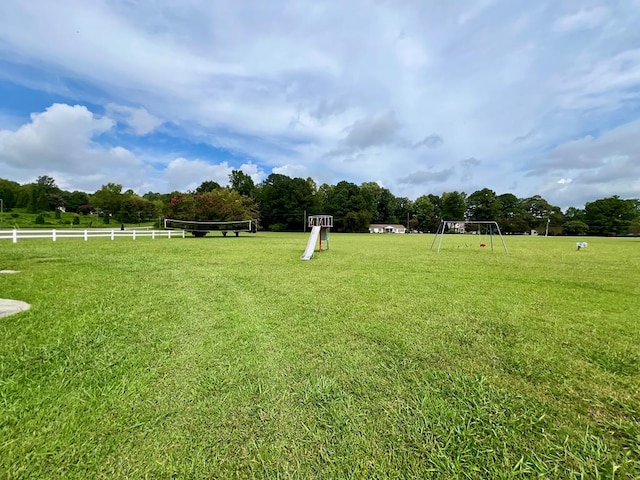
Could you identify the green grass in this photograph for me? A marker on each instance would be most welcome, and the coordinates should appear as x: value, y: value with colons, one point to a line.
x: 231, y: 358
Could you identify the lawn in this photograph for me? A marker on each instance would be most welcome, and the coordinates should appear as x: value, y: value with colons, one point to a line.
x: 231, y: 358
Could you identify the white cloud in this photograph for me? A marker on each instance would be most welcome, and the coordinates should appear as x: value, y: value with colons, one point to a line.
x: 251, y: 169
x: 293, y: 171
x: 607, y: 84
x: 593, y: 167
x: 581, y: 20
x: 139, y: 119
x: 182, y: 174
x: 62, y: 139
x: 61, y: 136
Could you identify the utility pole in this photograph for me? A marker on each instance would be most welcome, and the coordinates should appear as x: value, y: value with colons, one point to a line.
x: 304, y: 222
x: 546, y: 233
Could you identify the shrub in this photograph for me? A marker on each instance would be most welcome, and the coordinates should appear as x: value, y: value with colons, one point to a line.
x: 278, y: 227
x: 76, y: 220
x: 40, y: 220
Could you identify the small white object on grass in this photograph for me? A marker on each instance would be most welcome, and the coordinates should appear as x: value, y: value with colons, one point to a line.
x: 581, y: 245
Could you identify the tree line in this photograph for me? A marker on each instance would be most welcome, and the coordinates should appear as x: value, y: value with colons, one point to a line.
x: 280, y: 203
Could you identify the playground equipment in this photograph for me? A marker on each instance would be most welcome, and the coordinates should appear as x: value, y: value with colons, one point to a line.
x: 320, y: 227
x: 492, y: 227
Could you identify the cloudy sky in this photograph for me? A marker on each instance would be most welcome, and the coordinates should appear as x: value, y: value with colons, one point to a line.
x: 422, y: 96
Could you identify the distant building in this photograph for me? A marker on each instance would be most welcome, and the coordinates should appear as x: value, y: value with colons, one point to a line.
x: 456, y: 227
x: 386, y: 228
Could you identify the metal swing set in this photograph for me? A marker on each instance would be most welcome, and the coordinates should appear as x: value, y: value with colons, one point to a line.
x: 492, y: 227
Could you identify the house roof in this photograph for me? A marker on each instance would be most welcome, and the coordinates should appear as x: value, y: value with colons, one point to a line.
x: 386, y: 225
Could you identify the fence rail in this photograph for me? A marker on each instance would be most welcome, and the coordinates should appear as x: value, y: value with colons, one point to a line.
x: 54, y: 234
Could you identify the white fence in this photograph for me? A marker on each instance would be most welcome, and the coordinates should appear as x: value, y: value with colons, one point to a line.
x: 16, y: 235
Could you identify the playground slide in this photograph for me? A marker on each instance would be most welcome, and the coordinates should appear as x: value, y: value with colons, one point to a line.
x: 311, y: 244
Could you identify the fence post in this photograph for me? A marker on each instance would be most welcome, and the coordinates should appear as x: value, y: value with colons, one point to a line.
x: 86, y: 236
x: 15, y: 235
x: 153, y: 234
x: 168, y: 233
x: 112, y: 234
x: 53, y: 235
x: 182, y: 233
x: 134, y: 235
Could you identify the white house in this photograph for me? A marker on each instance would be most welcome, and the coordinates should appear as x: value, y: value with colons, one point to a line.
x: 386, y: 228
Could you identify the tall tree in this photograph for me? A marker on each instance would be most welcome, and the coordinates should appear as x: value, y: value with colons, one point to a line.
x: 573, y: 213
x: 483, y: 205
x: 108, y: 198
x: 207, y: 186
x: 539, y: 213
x: 46, y: 181
x: 425, y: 212
x: 9, y: 193
x: 402, y: 210
x: 283, y: 201
x: 512, y: 217
x: 611, y: 215
x: 454, y: 205
x: 343, y: 199
x: 135, y: 209
x: 242, y: 183
x: 380, y: 202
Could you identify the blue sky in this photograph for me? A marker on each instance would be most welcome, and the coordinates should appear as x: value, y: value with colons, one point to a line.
x: 530, y: 98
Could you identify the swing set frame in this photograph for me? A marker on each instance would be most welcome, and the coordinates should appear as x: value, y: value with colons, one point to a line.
x: 492, y: 226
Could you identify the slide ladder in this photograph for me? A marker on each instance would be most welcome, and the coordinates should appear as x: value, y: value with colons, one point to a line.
x: 311, y: 244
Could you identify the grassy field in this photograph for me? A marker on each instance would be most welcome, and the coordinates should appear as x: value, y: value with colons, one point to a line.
x: 231, y: 358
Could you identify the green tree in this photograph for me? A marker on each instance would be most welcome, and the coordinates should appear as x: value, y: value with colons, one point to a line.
x: 538, y: 213
x: 47, y: 182
x: 454, y: 205
x: 74, y: 200
x: 575, y: 227
x: 611, y: 215
x: 9, y: 193
x: 208, y: 186
x: 135, y: 209
x: 322, y: 194
x: 380, y: 203
x: 37, y: 199
x: 108, y: 198
x: 217, y: 206
x: 357, y: 222
x: 573, y: 213
x: 242, y: 183
x: 483, y: 205
x: 511, y: 217
x: 425, y: 212
x: 402, y: 210
x: 342, y: 199
x: 283, y: 201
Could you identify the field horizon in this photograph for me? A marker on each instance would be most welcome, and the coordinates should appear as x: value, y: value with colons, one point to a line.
x: 225, y: 357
